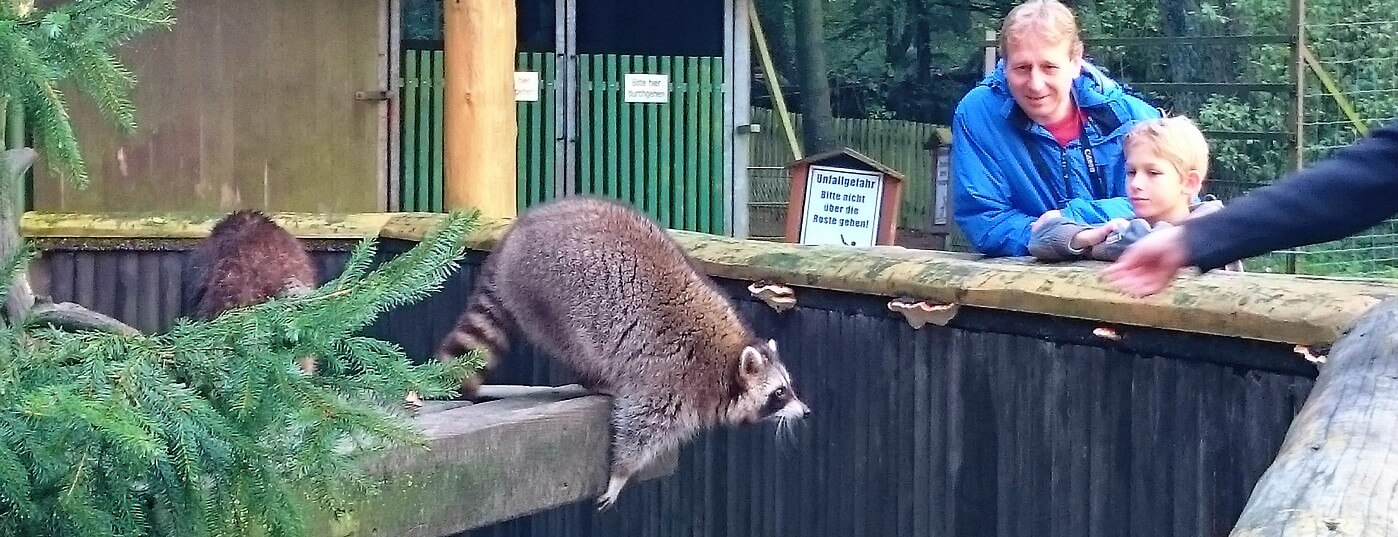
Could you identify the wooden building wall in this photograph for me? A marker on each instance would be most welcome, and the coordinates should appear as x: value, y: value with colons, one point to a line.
x: 247, y: 104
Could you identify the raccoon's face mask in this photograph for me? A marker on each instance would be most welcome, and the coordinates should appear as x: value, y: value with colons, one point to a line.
x: 765, y: 387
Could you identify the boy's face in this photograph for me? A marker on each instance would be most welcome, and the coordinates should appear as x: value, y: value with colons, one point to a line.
x: 1158, y: 191
x: 1041, y: 74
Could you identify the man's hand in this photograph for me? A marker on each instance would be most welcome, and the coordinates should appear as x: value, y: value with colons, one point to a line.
x: 1044, y: 218
x: 1148, y: 266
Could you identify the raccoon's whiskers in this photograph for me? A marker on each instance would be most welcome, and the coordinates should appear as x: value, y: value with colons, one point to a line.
x: 785, y: 432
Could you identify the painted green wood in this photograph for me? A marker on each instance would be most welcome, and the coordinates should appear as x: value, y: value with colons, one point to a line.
x: 623, y: 123
x: 701, y: 119
x: 410, y: 175
x: 717, y: 190
x: 691, y: 145
x: 663, y: 158
x: 435, y: 190
x: 613, y: 103
x: 679, y: 158
x: 536, y: 137
x: 599, y: 120
x: 639, y: 153
x: 691, y: 119
x: 653, y: 159
x: 667, y: 169
x: 424, y: 133
x: 585, y: 122
x: 549, y: 185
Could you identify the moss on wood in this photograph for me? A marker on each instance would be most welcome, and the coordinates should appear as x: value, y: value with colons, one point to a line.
x: 1290, y: 309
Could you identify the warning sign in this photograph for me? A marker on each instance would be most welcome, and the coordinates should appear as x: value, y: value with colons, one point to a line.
x: 841, y: 207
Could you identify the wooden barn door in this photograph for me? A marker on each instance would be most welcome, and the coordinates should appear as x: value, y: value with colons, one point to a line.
x: 265, y: 104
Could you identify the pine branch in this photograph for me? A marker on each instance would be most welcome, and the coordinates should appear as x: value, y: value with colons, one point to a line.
x: 40, y: 50
x: 212, y: 428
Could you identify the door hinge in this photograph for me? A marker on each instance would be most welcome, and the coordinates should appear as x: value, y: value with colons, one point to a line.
x: 374, y: 95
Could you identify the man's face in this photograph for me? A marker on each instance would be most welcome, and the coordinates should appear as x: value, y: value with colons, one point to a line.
x: 1041, y: 76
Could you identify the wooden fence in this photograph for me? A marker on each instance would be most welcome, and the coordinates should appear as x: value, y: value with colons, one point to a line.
x: 664, y: 158
x: 905, y: 146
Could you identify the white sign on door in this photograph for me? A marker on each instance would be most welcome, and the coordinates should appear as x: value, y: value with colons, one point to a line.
x: 526, y: 86
x: 647, y: 88
x: 841, y: 207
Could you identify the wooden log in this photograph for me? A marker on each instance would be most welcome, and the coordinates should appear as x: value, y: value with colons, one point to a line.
x: 490, y: 462
x: 479, y: 146
x: 74, y: 317
x: 1335, y: 473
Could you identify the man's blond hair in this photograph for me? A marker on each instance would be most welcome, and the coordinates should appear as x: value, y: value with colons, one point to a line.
x: 1177, y: 140
x: 1049, y: 20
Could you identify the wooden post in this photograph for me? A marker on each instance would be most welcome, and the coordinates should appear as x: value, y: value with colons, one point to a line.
x: 1298, y: 79
x: 1335, y: 473
x: 479, y: 143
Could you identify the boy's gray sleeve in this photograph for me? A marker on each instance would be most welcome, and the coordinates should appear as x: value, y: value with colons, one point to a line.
x: 1053, y: 240
x: 1117, y: 241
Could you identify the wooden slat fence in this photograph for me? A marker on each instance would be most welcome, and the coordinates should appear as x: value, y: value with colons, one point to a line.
x: 902, y: 145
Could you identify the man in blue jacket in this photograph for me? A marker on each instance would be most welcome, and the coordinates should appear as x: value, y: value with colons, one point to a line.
x: 1040, y: 136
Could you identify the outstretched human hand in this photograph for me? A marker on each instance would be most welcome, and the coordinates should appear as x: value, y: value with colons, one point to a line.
x: 1148, y: 265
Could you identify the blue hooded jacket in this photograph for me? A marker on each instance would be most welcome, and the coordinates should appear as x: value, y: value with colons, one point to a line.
x: 1008, y: 170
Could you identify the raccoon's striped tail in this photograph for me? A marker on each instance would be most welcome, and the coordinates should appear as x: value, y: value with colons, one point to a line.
x: 484, y: 326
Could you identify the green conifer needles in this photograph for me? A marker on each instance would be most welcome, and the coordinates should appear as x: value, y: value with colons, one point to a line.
x: 71, y: 42
x: 212, y: 428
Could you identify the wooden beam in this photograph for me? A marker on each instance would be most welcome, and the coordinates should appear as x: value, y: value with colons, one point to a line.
x: 774, y: 87
x: 1335, y: 473
x: 1336, y: 92
x: 479, y: 143
x: 1307, y: 310
x: 487, y: 463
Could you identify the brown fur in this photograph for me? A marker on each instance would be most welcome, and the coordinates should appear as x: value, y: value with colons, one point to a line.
x: 247, y: 259
x: 601, y: 288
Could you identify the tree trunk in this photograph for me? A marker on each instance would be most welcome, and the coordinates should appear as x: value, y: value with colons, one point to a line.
x: 13, y: 165
x: 1177, y: 19
x: 773, y: 14
x: 818, y: 123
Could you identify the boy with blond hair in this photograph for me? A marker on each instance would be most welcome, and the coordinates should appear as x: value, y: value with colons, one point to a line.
x: 1167, y: 160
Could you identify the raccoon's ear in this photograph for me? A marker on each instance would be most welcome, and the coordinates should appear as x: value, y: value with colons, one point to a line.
x: 772, y: 344
x: 751, y: 362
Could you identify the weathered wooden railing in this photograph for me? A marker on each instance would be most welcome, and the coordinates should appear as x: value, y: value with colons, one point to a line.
x: 1243, y: 326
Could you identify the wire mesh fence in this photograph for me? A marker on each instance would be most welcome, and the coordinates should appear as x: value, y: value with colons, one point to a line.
x: 1351, y: 87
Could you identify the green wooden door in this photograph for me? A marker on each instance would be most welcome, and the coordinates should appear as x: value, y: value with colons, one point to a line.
x: 666, y: 158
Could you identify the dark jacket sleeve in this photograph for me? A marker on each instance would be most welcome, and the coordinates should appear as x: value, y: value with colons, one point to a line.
x: 1353, y: 190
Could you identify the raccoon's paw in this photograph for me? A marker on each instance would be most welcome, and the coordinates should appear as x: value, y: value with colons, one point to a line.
x: 605, y: 502
x: 608, y: 499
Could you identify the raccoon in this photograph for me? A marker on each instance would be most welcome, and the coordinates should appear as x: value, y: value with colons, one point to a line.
x: 246, y: 259
x: 607, y: 292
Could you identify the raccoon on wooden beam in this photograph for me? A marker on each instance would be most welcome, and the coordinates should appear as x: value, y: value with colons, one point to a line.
x: 604, y: 290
